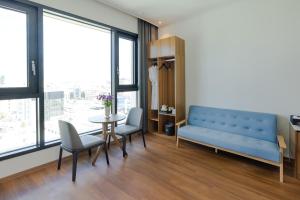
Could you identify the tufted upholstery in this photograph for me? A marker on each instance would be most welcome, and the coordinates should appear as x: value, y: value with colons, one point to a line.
x: 251, y: 124
x: 249, y: 133
x: 239, y: 143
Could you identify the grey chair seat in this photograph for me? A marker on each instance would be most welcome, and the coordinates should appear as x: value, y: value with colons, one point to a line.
x: 73, y: 143
x: 89, y: 141
x: 126, y: 129
x: 132, y: 125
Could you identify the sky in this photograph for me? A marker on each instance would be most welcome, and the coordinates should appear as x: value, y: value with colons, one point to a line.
x: 12, y: 43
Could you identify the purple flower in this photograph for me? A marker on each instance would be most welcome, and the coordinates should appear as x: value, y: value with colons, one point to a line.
x: 106, y: 99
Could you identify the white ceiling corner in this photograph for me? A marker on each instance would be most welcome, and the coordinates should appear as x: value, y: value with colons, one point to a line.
x: 166, y: 11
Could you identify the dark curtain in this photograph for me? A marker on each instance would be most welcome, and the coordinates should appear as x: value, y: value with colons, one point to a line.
x: 147, y: 32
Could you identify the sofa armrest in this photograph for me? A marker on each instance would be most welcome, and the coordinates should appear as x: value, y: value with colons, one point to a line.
x: 178, y: 124
x: 281, y: 141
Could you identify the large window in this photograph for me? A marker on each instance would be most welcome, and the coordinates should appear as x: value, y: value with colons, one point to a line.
x: 77, y: 67
x: 126, y: 73
x: 52, y: 66
x: 13, y: 40
x: 18, y: 89
x: 126, y: 59
x: 18, y: 49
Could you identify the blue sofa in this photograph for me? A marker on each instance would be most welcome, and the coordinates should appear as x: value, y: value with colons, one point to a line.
x: 249, y: 134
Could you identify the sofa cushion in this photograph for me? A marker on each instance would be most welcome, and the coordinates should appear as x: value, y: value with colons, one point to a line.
x: 251, y: 124
x: 239, y: 143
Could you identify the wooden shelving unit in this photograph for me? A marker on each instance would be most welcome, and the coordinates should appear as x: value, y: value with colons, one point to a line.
x: 154, y: 119
x: 167, y: 114
x: 171, y: 82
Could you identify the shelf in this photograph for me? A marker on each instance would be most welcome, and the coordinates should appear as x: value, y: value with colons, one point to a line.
x: 154, y: 119
x: 167, y: 114
x: 163, y: 135
x: 169, y: 60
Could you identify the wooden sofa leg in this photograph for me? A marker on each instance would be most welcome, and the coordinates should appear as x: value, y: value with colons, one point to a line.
x: 281, y: 173
x: 281, y: 166
x: 177, y: 143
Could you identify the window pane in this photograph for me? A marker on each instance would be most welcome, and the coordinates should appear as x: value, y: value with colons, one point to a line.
x: 17, y: 124
x: 77, y: 67
x: 13, y: 49
x: 126, y: 101
x: 126, y: 58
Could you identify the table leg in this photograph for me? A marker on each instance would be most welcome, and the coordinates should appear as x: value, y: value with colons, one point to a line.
x: 104, y: 129
x: 113, y: 135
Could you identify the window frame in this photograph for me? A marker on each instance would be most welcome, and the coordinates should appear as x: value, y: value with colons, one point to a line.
x: 133, y: 38
x: 115, y: 64
x: 37, y: 91
x: 31, y: 91
x: 32, y: 53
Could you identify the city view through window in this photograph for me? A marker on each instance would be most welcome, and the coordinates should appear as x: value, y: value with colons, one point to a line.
x: 77, y: 68
x: 17, y: 124
x: 75, y: 72
x: 17, y: 117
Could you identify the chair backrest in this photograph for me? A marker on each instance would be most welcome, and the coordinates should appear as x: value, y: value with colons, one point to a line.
x: 134, y: 117
x: 69, y: 136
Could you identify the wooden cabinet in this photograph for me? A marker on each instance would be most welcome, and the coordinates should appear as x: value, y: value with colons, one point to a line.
x: 295, y: 148
x: 162, y: 48
x: 168, y: 55
x: 167, y: 47
x: 153, y: 48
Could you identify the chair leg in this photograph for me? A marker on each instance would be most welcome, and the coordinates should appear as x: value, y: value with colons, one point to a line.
x: 129, y: 138
x: 59, y: 158
x: 108, y: 141
x: 90, y: 152
x: 144, y: 139
x: 75, y: 157
x: 124, y: 146
x: 106, y: 154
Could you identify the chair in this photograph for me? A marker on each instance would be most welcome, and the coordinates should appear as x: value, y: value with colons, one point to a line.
x: 132, y: 125
x: 73, y: 143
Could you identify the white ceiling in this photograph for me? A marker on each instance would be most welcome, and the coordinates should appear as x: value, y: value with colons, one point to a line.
x: 164, y: 11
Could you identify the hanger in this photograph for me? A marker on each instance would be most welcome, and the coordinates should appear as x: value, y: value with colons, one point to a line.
x: 165, y: 65
x: 154, y: 63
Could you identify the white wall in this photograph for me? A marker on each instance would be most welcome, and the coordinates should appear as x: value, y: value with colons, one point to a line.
x: 244, y: 55
x: 93, y: 10
x: 28, y: 161
x: 88, y: 9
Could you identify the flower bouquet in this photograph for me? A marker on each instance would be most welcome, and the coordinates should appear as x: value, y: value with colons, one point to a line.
x: 107, y: 102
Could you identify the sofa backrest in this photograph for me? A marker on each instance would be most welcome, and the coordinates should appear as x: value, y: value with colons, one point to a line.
x: 252, y: 124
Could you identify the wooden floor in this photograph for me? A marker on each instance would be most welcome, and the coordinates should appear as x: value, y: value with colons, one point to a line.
x: 160, y: 172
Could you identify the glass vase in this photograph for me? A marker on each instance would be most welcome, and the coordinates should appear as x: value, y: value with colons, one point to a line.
x: 107, y: 112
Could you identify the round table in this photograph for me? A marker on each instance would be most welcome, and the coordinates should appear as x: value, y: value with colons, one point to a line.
x: 105, y: 122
